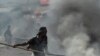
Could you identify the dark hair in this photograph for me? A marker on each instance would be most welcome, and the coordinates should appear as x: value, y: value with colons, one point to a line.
x: 43, y: 31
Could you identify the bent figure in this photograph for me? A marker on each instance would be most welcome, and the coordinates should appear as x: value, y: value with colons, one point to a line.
x: 8, y: 35
x: 38, y: 43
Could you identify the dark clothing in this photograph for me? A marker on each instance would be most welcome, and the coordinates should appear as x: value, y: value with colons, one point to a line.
x: 8, y: 36
x: 38, y: 44
x: 35, y: 42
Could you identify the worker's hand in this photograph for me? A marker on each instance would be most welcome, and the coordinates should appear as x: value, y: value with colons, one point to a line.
x: 14, y: 46
x: 28, y: 49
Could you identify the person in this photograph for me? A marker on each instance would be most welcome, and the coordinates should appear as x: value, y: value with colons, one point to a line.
x: 8, y: 35
x: 38, y: 43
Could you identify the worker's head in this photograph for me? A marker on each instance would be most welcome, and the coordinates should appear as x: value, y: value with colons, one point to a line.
x: 43, y: 31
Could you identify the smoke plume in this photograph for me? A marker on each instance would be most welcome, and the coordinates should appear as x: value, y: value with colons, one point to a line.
x: 76, y: 23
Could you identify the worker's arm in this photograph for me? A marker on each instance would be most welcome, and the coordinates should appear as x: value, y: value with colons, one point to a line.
x: 23, y: 44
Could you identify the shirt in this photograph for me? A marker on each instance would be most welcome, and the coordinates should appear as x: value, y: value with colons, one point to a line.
x: 38, y: 43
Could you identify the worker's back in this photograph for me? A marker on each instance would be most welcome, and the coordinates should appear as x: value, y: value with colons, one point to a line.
x: 39, y: 42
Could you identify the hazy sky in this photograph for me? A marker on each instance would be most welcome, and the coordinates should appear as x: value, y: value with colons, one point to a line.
x: 14, y: 12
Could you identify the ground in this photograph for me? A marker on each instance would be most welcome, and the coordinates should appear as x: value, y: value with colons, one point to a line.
x: 13, y: 52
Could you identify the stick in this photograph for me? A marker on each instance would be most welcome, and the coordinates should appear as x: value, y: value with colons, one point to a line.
x: 20, y: 48
x: 30, y: 50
